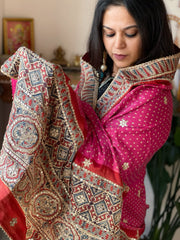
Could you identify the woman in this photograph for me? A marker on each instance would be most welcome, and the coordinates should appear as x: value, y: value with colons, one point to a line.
x: 130, y: 33
x: 84, y: 174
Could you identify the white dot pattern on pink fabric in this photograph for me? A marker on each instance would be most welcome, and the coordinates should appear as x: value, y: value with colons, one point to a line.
x: 129, y: 135
x: 134, y: 120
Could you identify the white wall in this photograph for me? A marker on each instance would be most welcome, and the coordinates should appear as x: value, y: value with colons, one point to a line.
x: 64, y: 23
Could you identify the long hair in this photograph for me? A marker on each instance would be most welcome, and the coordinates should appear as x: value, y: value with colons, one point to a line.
x: 152, y: 21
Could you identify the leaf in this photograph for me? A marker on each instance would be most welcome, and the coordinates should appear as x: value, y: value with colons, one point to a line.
x: 170, y: 153
x: 166, y: 218
x: 177, y: 204
x: 177, y: 136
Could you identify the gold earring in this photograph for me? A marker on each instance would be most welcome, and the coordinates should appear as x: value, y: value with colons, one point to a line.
x: 103, y: 66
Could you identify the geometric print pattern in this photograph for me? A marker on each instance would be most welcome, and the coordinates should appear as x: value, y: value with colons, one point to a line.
x: 95, y: 204
x: 41, y: 140
x: 125, y: 79
x: 36, y: 160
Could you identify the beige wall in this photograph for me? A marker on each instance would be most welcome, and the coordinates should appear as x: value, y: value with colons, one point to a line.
x: 1, y: 15
x: 63, y: 23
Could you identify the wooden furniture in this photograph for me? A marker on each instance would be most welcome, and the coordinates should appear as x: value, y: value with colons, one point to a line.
x: 5, y: 88
x: 73, y: 73
x: 5, y: 82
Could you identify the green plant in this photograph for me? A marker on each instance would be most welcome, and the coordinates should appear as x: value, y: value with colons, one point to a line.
x: 164, y: 173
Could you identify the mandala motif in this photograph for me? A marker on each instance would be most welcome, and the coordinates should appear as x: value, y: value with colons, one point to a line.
x: 24, y: 135
x: 45, y: 205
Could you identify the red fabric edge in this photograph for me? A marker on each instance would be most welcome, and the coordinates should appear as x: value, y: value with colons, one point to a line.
x: 100, y: 170
x: 74, y: 102
x: 135, y: 234
x: 12, y: 218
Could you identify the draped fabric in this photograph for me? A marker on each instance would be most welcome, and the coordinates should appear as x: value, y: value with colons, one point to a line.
x: 134, y: 116
x: 46, y: 127
x: 71, y: 166
x: 45, y: 130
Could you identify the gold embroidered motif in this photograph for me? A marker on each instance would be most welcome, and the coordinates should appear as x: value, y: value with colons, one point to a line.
x: 87, y: 163
x: 139, y: 193
x: 13, y: 222
x: 45, y: 205
x: 137, y: 234
x: 126, y: 189
x: 125, y: 166
x: 123, y: 123
x: 95, y: 202
x: 125, y: 221
x: 54, y: 132
x: 165, y: 100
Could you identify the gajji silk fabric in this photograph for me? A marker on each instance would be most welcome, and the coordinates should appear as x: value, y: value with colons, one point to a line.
x: 72, y: 167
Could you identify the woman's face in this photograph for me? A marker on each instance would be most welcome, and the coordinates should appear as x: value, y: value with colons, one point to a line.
x: 121, y: 37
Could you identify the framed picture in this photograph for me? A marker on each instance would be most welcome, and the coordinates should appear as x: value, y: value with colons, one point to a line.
x: 18, y: 32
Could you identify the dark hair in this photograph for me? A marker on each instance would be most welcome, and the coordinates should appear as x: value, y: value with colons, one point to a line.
x: 151, y: 18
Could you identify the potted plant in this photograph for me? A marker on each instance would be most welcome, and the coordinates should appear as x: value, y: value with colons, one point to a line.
x: 164, y: 173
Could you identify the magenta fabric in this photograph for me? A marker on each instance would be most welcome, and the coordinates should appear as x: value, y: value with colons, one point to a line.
x: 13, y: 84
x: 127, y: 125
x: 124, y: 128
x: 126, y: 139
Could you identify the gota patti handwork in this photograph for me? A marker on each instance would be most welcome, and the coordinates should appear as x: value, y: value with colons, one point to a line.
x: 45, y: 195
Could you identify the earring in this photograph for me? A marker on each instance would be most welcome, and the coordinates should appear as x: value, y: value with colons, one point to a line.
x: 103, y: 66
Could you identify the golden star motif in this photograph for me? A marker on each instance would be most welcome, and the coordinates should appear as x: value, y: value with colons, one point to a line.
x: 125, y: 166
x: 165, y: 100
x: 123, y: 123
x: 87, y: 162
x: 13, y: 222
